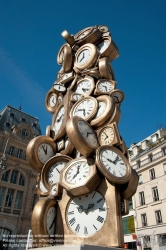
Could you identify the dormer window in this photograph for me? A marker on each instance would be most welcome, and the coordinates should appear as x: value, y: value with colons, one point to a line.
x: 23, y: 119
x: 23, y: 132
x: 11, y: 114
x: 7, y: 124
x: 154, y: 137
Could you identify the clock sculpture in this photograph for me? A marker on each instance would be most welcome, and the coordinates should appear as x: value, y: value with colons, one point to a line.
x: 85, y: 179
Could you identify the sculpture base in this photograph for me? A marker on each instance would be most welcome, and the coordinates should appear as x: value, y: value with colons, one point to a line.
x: 77, y: 247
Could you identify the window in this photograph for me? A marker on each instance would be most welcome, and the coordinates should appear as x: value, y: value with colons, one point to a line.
x: 21, y: 180
x: 152, y: 174
x: 130, y: 204
x: 9, y: 198
x: 142, y: 198
x: 11, y: 150
x: 2, y: 193
x: 140, y: 179
x: 161, y: 239
x: 144, y: 220
x: 155, y: 194
x: 13, y: 178
x: 18, y: 200
x: 23, y: 132
x: 138, y: 164
x: 164, y: 151
x: 158, y: 217
x: 5, y: 176
x: 150, y: 157
x: 19, y: 153
x: 146, y: 241
x: 164, y: 166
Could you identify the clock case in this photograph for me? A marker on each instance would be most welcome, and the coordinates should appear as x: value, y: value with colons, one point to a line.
x: 111, y: 233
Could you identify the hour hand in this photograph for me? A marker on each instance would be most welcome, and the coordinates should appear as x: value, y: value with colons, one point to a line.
x: 110, y: 160
x: 80, y: 209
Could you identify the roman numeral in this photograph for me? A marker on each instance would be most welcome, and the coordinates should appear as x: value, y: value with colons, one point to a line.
x: 85, y: 230
x: 93, y: 195
x: 99, y: 200
x: 95, y: 227
x: 100, y: 219
x: 72, y: 212
x: 58, y: 170
x: 72, y: 221
x: 77, y: 228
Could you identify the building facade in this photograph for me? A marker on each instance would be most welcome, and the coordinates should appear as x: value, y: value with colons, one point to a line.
x: 17, y: 179
x: 148, y: 158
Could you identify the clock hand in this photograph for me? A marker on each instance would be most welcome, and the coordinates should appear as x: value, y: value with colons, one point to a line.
x: 105, y: 88
x: 90, y: 206
x: 44, y: 149
x: 77, y: 172
x: 110, y: 161
x: 84, y: 90
x: 80, y: 209
x: 58, y: 120
x: 52, y: 223
x: 106, y: 136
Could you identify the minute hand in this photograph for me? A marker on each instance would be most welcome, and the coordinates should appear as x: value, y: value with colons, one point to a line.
x: 110, y: 160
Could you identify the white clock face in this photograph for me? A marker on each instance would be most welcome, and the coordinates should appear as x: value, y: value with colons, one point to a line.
x: 60, y: 98
x: 105, y: 86
x: 60, y: 144
x: 59, y: 119
x: 52, y: 101
x: 83, y: 87
x: 113, y: 163
x: 103, y: 46
x: 107, y: 136
x: 59, y: 88
x: 87, y: 133
x: 51, y: 220
x: 84, y: 109
x: 86, y: 214
x: 45, y: 152
x: 77, y: 173
x: 83, y: 56
x: 54, y: 172
x: 42, y: 187
x: 101, y: 109
x: 83, y: 34
x: 53, y: 189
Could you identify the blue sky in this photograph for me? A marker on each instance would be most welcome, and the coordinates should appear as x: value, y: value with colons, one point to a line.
x: 30, y: 38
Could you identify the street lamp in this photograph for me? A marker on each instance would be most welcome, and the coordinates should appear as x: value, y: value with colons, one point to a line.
x: 3, y: 158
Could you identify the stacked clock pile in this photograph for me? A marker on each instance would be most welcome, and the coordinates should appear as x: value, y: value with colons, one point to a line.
x: 84, y: 175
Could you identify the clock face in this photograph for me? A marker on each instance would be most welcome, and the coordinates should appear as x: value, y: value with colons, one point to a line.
x: 86, y: 214
x: 113, y: 163
x: 101, y: 109
x: 83, y: 87
x: 105, y: 86
x: 85, y: 108
x: 59, y: 88
x: 83, y: 56
x: 51, y: 220
x: 54, y: 172
x: 60, y: 98
x: 87, y: 133
x: 52, y: 101
x: 59, y: 119
x: 54, y: 189
x: 118, y: 96
x: 106, y: 136
x: 45, y: 152
x: 103, y: 46
x: 42, y: 187
x: 77, y: 173
x: 76, y: 97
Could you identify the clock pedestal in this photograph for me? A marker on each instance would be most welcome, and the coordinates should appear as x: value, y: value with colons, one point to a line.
x: 111, y: 233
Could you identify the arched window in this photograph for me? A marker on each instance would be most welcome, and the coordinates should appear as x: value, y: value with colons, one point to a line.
x: 14, y: 177
x: 23, y: 132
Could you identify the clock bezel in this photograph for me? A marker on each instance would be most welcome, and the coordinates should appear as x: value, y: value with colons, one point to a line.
x: 104, y: 170
x: 49, y: 164
x: 117, y: 90
x: 110, y: 107
x: 32, y: 151
x: 77, y: 139
x: 47, y: 100
x: 92, y: 59
x: 90, y: 182
x: 99, y: 92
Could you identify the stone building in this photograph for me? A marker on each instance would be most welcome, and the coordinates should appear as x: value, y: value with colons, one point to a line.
x: 148, y: 158
x: 17, y: 179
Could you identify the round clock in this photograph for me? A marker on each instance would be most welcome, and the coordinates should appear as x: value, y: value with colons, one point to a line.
x: 85, y: 108
x: 86, y: 56
x: 83, y: 33
x: 58, y: 119
x: 86, y: 215
x: 58, y: 88
x: 118, y: 95
x: 105, y: 69
x: 80, y: 176
x: 50, y: 174
x: 51, y: 101
x: 113, y: 164
x: 88, y: 35
x: 103, y: 28
x: 39, y: 150
x: 105, y: 109
x: 85, y: 86
x: 44, y: 218
x: 104, y: 86
x: 104, y: 46
x: 60, y: 56
x: 81, y: 135
x: 76, y: 97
